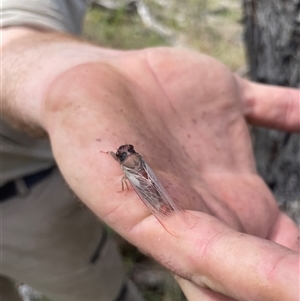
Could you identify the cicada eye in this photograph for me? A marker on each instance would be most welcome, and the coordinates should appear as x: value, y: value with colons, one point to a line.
x: 122, y: 156
x: 130, y: 147
x: 118, y: 154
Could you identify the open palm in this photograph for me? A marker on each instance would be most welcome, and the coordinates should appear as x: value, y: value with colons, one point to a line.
x: 185, y: 114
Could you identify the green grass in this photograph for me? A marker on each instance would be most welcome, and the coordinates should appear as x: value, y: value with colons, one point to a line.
x: 119, y: 29
x: 208, y: 28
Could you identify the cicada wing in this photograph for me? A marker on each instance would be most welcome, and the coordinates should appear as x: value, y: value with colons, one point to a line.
x: 167, y: 200
x: 151, y: 192
x: 144, y: 189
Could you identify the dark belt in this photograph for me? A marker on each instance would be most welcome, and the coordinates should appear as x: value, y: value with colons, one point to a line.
x: 10, y: 189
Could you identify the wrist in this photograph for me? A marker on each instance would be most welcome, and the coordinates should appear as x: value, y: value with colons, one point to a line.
x: 9, y: 34
x: 32, y: 60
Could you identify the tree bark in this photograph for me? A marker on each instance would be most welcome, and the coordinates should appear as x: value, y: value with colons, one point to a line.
x: 272, y: 39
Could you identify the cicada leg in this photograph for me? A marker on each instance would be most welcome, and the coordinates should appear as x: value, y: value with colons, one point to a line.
x: 110, y: 153
x: 124, y: 180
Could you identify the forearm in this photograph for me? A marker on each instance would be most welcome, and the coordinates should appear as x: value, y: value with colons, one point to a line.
x: 31, y: 60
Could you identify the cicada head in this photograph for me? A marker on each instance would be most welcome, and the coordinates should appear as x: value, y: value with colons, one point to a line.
x: 124, y: 151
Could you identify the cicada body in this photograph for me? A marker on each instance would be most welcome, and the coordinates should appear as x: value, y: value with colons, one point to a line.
x: 145, y: 183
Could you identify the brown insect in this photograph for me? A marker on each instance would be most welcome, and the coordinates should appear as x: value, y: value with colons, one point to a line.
x: 144, y: 182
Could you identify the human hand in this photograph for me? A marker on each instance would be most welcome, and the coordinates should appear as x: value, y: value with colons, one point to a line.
x: 184, y: 113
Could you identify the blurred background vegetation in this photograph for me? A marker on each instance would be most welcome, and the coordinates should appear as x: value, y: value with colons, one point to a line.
x: 209, y: 26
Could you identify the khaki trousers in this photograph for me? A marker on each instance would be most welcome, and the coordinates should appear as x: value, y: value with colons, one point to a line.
x: 52, y: 243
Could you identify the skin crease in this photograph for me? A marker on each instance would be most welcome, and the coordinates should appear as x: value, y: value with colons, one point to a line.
x: 185, y: 114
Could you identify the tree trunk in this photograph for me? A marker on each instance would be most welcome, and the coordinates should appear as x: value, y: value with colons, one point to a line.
x: 272, y: 38
x: 272, y: 35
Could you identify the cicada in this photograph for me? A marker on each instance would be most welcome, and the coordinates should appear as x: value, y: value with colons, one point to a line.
x: 145, y: 183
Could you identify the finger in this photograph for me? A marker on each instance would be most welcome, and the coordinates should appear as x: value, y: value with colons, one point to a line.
x: 285, y: 232
x: 194, y: 292
x: 230, y: 263
x: 271, y: 106
x: 245, y: 267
